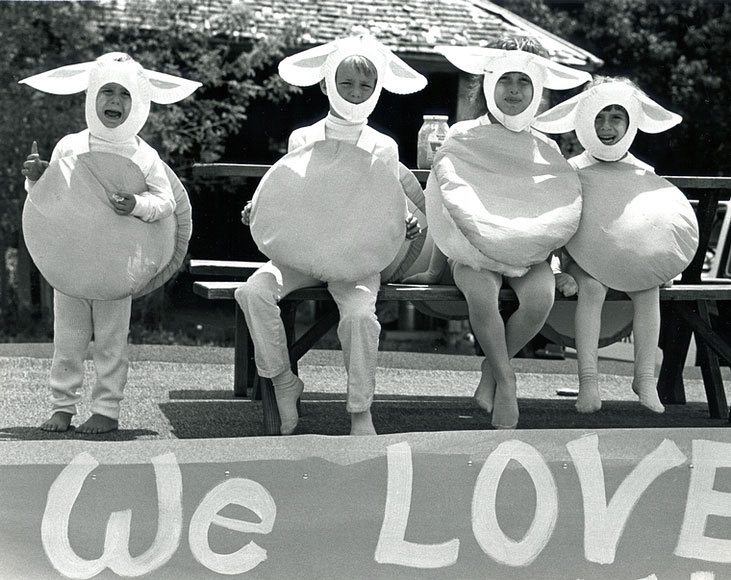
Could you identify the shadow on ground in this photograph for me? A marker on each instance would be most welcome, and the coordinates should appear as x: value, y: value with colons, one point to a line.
x: 37, y: 434
x: 326, y: 415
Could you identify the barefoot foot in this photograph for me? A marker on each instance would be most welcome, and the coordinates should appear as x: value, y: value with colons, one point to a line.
x: 588, y: 400
x: 362, y: 423
x: 58, y: 422
x: 287, y: 398
x: 648, y: 396
x: 485, y: 393
x: 97, y: 424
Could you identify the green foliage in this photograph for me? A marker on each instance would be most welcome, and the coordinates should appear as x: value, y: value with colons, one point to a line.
x: 676, y: 51
x: 169, y: 36
x: 233, y: 75
x: 37, y: 36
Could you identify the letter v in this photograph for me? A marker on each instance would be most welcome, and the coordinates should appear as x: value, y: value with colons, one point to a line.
x: 604, y: 524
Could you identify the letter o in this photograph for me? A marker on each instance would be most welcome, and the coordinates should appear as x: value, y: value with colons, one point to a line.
x: 485, y: 524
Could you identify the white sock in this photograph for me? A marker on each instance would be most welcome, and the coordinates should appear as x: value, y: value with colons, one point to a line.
x: 287, y: 390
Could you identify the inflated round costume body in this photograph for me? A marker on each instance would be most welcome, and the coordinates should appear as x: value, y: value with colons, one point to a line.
x: 82, y: 247
x: 637, y: 230
x: 331, y: 210
x: 501, y: 200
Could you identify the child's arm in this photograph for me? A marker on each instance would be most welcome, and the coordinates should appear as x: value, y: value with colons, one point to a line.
x: 433, y: 274
x: 159, y: 202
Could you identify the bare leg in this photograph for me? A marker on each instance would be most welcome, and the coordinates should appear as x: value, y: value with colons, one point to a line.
x: 59, y: 422
x: 588, y: 326
x: 97, y: 424
x: 481, y: 290
x: 535, y: 291
x: 646, y: 331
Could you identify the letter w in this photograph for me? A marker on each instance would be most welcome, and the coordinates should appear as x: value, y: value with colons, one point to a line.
x: 62, y: 497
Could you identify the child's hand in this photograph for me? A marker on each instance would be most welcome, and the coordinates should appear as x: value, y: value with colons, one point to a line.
x: 412, y: 227
x: 123, y: 203
x: 33, y: 167
x: 246, y: 214
x: 566, y: 284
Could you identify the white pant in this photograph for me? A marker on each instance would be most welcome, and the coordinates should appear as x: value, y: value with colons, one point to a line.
x: 76, y: 321
x: 358, y: 329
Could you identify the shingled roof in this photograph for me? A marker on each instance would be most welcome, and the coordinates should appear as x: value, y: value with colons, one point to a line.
x: 410, y: 27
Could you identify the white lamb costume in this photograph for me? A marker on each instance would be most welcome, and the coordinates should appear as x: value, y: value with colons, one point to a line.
x: 95, y: 259
x: 496, y: 200
x: 637, y: 231
x: 331, y: 211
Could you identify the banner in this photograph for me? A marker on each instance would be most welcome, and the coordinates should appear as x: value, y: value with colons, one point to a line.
x: 629, y: 504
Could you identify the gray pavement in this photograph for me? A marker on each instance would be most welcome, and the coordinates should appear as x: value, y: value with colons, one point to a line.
x: 186, y: 392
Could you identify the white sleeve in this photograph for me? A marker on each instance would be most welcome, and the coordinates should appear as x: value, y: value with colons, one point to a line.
x: 158, y: 202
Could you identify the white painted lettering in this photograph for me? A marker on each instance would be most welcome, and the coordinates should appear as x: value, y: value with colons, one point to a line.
x: 242, y: 492
x: 61, y: 498
x: 392, y: 548
x: 703, y: 501
x: 485, y: 524
x: 604, y: 524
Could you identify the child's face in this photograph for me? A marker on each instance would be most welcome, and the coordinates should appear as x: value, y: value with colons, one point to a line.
x: 611, y: 124
x: 353, y: 85
x: 113, y: 104
x: 513, y: 93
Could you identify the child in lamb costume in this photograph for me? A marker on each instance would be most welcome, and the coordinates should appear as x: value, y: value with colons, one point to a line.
x: 105, y: 221
x: 637, y: 231
x: 331, y: 211
x: 500, y: 200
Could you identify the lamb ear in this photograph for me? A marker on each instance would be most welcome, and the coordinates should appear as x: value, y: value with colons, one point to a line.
x: 400, y: 78
x: 166, y: 89
x: 655, y: 118
x: 65, y: 80
x: 558, y: 119
x: 470, y: 59
x: 560, y: 77
x: 306, y: 68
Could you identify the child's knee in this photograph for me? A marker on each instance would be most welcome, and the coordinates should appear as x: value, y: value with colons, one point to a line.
x: 251, y: 292
x: 361, y: 314
x: 591, y: 288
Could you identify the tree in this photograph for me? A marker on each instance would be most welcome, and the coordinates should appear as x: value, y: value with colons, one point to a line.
x: 173, y: 38
x: 677, y: 52
x: 35, y: 36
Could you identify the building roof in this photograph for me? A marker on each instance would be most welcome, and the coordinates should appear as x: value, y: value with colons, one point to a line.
x: 409, y: 27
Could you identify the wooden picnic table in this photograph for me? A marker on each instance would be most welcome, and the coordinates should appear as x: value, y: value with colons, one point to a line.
x: 686, y: 307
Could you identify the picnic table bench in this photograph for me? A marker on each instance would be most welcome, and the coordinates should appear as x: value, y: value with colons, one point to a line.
x: 685, y: 307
